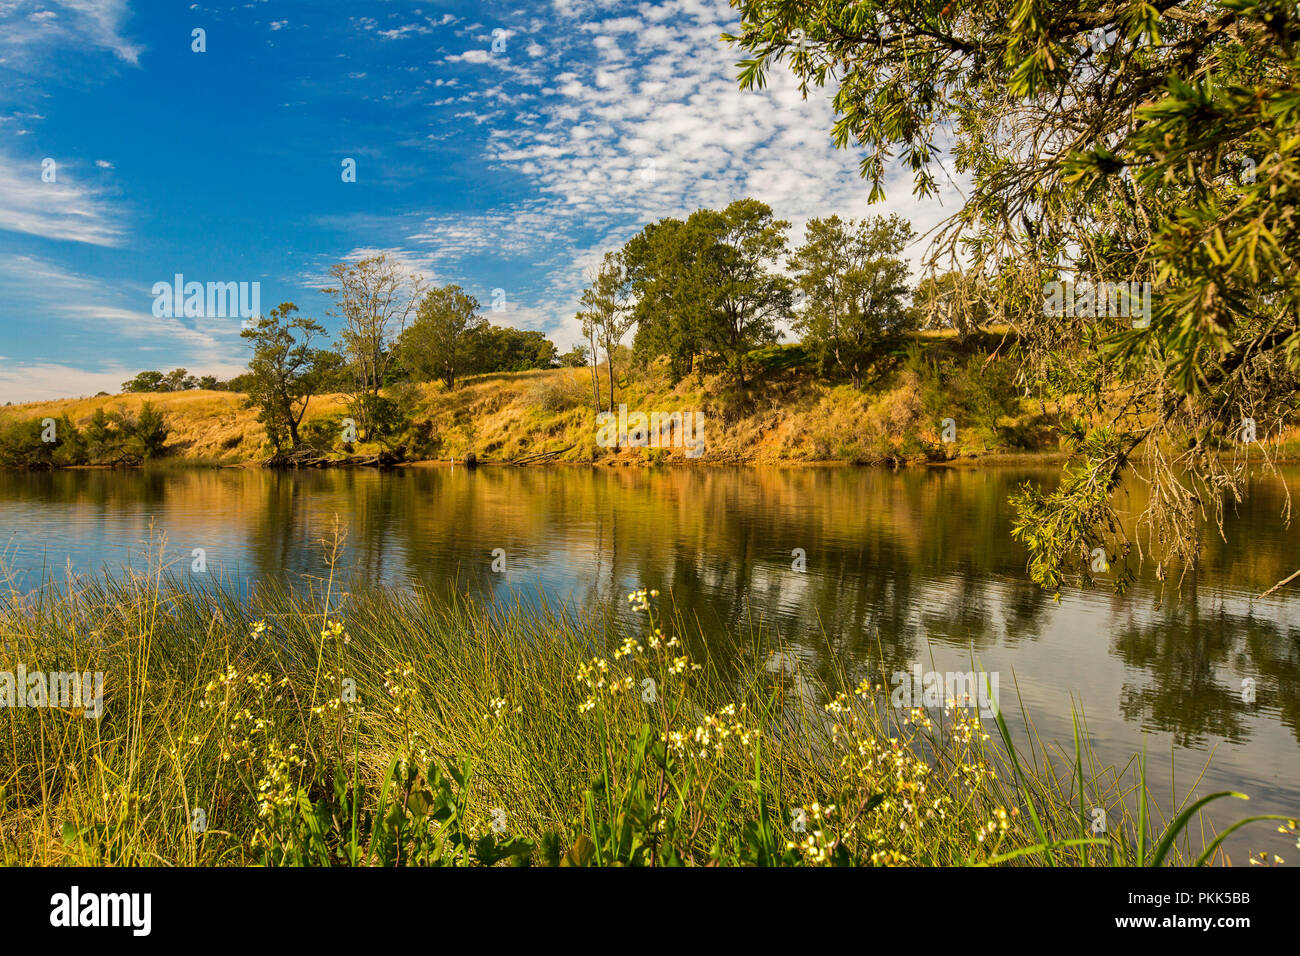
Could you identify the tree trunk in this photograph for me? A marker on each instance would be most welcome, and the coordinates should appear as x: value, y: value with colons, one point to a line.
x: 609, y: 361
x: 595, y: 376
x: 609, y: 372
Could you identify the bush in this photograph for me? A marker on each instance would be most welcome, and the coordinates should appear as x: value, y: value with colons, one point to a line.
x: 42, y: 443
x: 109, y: 438
x: 149, y: 432
x: 324, y: 432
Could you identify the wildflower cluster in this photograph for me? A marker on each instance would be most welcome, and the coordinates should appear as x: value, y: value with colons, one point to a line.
x: 599, y: 682
x: 712, y: 736
x: 345, y: 701
x: 888, y: 776
x: 996, y: 826
x: 278, y: 786
x: 247, y: 709
x: 399, y: 689
x: 816, y: 847
x: 499, y: 707
x: 337, y: 631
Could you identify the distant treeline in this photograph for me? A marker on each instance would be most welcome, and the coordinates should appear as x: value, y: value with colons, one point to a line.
x: 705, y: 294
x: 495, y: 348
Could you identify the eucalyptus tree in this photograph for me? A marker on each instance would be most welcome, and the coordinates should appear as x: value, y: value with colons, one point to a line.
x: 854, y: 284
x: 606, y: 313
x: 441, y: 342
x: 285, y: 370
x: 374, y: 297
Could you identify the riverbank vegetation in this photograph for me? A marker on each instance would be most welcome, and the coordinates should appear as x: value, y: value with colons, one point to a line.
x: 393, y: 728
x: 793, y: 414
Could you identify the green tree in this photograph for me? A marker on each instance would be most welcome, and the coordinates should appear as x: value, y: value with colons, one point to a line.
x: 374, y: 298
x: 667, y: 285
x: 286, y: 371
x: 707, y: 289
x: 501, y: 348
x: 42, y: 443
x: 607, y: 310
x: 854, y: 285
x: 441, y: 342
x: 742, y: 293
x: 1120, y: 142
x: 150, y: 381
x: 576, y: 357
x: 103, y: 435
x: 149, y: 432
x: 178, y: 380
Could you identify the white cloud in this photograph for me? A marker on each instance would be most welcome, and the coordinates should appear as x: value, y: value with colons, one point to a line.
x: 118, y: 321
x: 407, y: 29
x: 38, y: 382
x: 469, y: 56
x: 30, y: 32
x: 66, y: 209
x: 652, y: 123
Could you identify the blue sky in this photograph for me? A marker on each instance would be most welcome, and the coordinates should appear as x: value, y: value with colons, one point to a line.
x: 513, y: 168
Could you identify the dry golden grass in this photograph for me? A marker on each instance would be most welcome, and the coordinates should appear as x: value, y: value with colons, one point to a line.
x: 792, y: 418
x: 204, y: 425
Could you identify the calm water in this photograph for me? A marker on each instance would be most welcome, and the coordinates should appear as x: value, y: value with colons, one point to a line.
x: 910, y: 567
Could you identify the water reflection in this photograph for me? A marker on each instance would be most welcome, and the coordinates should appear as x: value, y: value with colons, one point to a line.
x: 900, y: 568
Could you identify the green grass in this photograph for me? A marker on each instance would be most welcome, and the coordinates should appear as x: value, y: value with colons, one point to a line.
x: 482, y: 734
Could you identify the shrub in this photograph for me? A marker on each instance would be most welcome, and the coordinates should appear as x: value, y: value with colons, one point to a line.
x: 42, y: 443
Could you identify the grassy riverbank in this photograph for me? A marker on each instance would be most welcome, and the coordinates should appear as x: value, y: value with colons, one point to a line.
x: 401, y: 729
x: 939, y: 399
x: 786, y: 414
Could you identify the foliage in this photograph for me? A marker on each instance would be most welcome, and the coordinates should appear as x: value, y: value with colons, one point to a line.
x: 854, y: 287
x: 443, y: 340
x: 177, y: 380
x: 1121, y: 142
x: 708, y: 289
x: 502, y: 348
x: 286, y: 371
x: 576, y: 357
x: 661, y: 263
x: 110, y: 437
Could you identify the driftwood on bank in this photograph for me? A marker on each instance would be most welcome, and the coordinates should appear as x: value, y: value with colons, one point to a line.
x: 314, y: 458
x: 541, y: 456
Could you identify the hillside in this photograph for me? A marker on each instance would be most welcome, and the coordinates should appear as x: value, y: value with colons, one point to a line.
x: 786, y: 415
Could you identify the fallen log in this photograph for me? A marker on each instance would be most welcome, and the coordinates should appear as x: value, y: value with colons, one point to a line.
x: 541, y: 456
x: 315, y: 458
